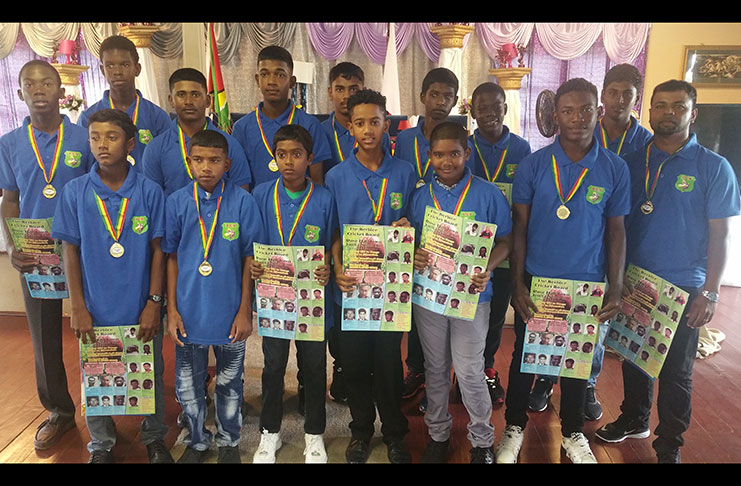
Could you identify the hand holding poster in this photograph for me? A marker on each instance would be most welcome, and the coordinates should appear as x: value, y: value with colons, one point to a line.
x: 459, y: 248
x: 644, y: 328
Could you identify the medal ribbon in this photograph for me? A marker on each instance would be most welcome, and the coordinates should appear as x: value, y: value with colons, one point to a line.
x: 301, y: 209
x: 115, y: 232
x: 134, y: 118
x: 419, y: 161
x: 622, y: 139
x: 206, y: 241
x: 483, y: 162
x: 184, y: 148
x: 649, y: 194
x: 57, y: 152
x: 262, y: 133
x: 557, y: 179
x: 461, y: 198
x: 337, y: 140
x: 377, y: 208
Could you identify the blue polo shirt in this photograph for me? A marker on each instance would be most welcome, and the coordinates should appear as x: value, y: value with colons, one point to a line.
x: 208, y: 304
x: 163, y: 159
x: 484, y: 200
x: 695, y: 185
x: 151, y: 121
x: 345, y: 140
x: 19, y: 170
x: 115, y: 289
x: 572, y: 248
x: 637, y: 137
x: 319, y: 217
x: 404, y: 149
x: 247, y: 131
x: 517, y: 148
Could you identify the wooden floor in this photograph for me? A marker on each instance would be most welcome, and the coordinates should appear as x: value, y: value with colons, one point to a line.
x: 714, y: 435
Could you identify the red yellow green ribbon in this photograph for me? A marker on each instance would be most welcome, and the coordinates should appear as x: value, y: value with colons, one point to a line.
x: 57, y: 151
x: 206, y: 240
x: 301, y: 209
x: 461, y: 198
x: 483, y: 162
x: 649, y: 194
x: 557, y: 179
x: 262, y: 133
x: 337, y: 140
x: 377, y: 208
x: 419, y: 160
x: 134, y: 118
x: 604, y: 136
x: 184, y: 148
x: 115, y: 232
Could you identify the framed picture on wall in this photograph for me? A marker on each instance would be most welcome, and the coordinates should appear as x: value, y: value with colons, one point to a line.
x: 712, y: 66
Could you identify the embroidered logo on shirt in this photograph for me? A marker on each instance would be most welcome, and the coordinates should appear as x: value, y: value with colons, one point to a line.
x: 139, y: 224
x: 511, y: 169
x: 594, y: 194
x: 72, y: 159
x: 145, y: 136
x: 311, y: 233
x: 396, y: 200
x: 685, y: 183
x: 230, y: 231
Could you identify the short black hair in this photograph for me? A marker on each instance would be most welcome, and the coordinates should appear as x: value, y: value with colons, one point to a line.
x: 449, y: 131
x: 487, y: 87
x: 440, y: 75
x: 677, y: 85
x: 367, y: 97
x: 209, y: 138
x: 624, y: 72
x: 119, y: 42
x: 117, y: 117
x: 294, y: 132
x: 275, y: 53
x: 576, y: 84
x: 346, y: 70
x: 188, y: 74
x: 40, y: 63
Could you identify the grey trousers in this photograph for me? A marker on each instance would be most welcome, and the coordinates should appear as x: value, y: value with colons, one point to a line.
x: 458, y: 343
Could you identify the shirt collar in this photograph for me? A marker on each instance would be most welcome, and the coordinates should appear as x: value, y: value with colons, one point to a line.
x: 283, y: 196
x: 689, y: 151
x: 363, y: 173
x: 457, y: 189
x: 502, y: 143
x: 341, y: 130
x: 174, y: 126
x: 587, y: 161
x: 282, y: 119
x: 65, y: 121
x: 126, y: 189
x: 214, y: 195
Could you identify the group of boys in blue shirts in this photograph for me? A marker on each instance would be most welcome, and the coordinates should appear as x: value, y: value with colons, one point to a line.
x: 148, y: 207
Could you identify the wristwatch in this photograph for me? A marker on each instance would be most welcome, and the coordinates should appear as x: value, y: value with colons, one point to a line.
x: 711, y: 296
x: 155, y: 298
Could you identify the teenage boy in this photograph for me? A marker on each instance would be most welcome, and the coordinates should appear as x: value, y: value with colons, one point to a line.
x: 36, y: 161
x: 211, y: 225
x: 165, y: 157
x: 119, y: 63
x: 495, y: 153
x: 569, y: 200
x: 306, y: 214
x: 254, y: 131
x: 438, y: 96
x: 371, y: 359
x: 448, y: 341
x: 111, y: 222
x: 673, y: 178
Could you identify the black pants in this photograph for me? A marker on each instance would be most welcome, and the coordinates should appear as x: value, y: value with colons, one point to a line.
x: 45, y: 325
x: 372, y: 367
x: 573, y: 390
x: 502, y: 291
x: 675, y: 387
x: 312, y: 358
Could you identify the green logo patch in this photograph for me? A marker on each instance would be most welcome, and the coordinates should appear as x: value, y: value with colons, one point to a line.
x: 511, y: 169
x: 72, y: 159
x: 230, y: 231
x: 139, y: 224
x: 311, y: 233
x: 595, y: 194
x: 468, y: 215
x: 685, y: 183
x: 145, y: 136
x: 396, y: 200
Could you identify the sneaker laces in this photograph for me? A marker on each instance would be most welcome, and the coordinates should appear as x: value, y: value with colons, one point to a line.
x: 581, y: 444
x: 267, y: 442
x: 512, y: 430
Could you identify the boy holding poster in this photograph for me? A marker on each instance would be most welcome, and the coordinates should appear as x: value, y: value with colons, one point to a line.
x: 454, y: 341
x: 370, y: 187
x: 111, y: 222
x: 295, y: 212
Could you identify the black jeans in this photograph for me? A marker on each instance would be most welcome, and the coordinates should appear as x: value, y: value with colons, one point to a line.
x: 675, y: 387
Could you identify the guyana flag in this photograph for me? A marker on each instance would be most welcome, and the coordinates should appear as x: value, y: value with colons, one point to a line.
x: 219, y: 104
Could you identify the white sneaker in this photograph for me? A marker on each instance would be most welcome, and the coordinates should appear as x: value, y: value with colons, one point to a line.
x: 509, y: 446
x: 577, y: 448
x: 269, y: 445
x: 314, y: 451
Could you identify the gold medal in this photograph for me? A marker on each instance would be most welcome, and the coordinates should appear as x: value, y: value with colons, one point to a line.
x: 116, y: 250
x: 647, y: 207
x: 205, y: 268
x: 273, y: 166
x: 420, y: 183
x: 563, y: 212
x: 49, y: 191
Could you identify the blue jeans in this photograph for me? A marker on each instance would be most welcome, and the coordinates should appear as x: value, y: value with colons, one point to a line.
x: 102, y: 429
x: 191, y: 366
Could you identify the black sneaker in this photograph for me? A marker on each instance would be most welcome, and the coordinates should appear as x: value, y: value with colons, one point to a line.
x: 337, y: 389
x: 192, y: 456
x: 101, y: 457
x: 539, y: 395
x: 229, y: 455
x: 496, y: 391
x: 158, y: 453
x: 436, y: 452
x: 482, y: 455
x: 622, y: 429
x: 669, y: 457
x: 592, y: 406
x: 413, y: 382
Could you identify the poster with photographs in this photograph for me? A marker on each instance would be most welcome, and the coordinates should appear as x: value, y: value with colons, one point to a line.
x: 290, y: 302
x: 643, y: 329
x: 459, y: 248
x: 506, y: 188
x: 381, y: 258
x: 560, y: 338
x: 117, y: 373
x: 33, y: 236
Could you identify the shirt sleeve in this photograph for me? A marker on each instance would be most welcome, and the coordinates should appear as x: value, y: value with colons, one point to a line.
x: 522, y: 186
x: 173, y: 229
x: 239, y: 172
x: 322, y: 149
x: 619, y: 202
x: 151, y: 166
x: 157, y: 212
x: 722, y: 197
x: 502, y: 214
x: 65, y: 225
x: 7, y: 176
x: 251, y: 223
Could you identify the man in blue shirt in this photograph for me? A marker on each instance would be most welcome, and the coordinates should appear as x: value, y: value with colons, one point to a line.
x: 569, y: 200
x: 119, y: 63
x: 682, y: 198
x: 36, y: 161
